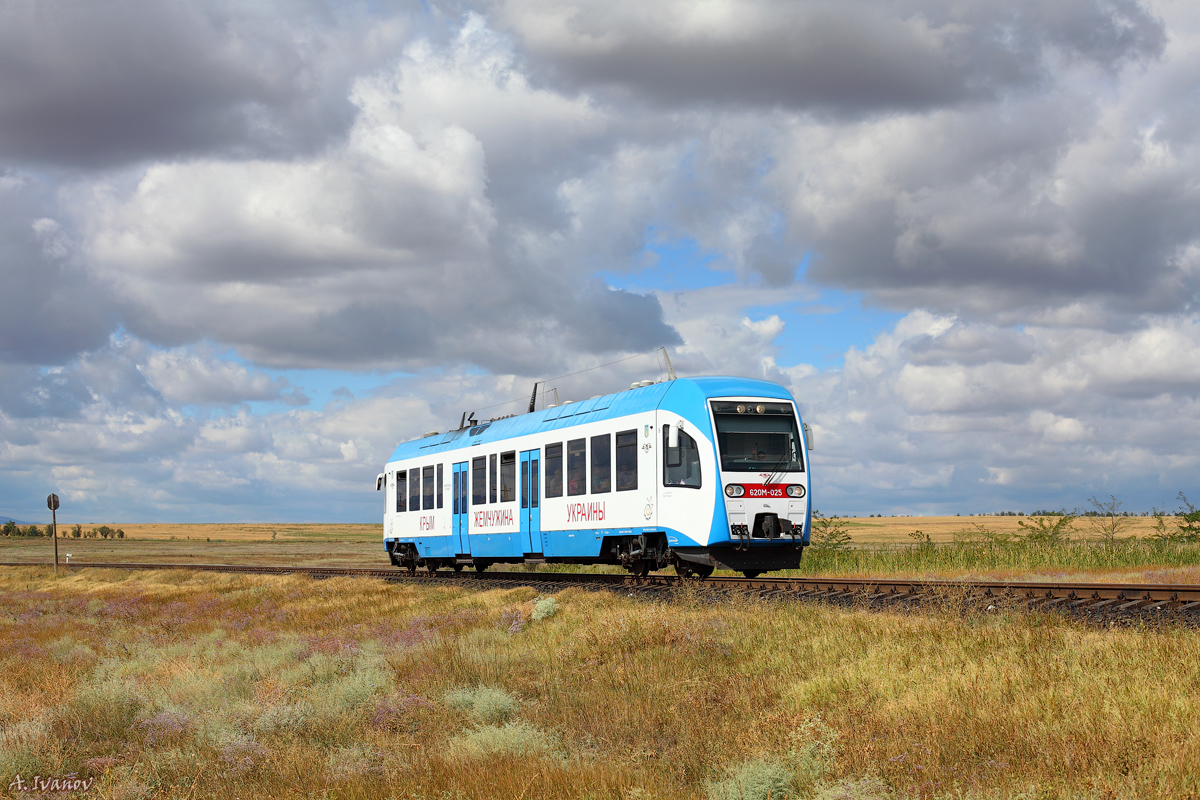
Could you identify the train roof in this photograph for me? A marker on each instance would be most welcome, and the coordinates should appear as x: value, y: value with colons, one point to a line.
x: 673, y: 394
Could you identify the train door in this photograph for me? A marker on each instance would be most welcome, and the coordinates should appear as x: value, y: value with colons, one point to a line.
x: 530, y: 540
x: 459, y: 521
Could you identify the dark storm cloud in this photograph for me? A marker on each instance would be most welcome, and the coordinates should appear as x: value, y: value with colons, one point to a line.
x: 51, y: 308
x: 845, y: 56
x: 102, y: 83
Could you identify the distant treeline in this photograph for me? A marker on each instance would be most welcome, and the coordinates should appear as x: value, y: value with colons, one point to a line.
x: 12, y: 530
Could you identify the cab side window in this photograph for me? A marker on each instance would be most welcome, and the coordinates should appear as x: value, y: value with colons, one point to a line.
x: 681, y: 465
x: 401, y: 489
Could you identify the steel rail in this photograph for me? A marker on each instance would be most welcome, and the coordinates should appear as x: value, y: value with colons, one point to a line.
x: 873, y: 591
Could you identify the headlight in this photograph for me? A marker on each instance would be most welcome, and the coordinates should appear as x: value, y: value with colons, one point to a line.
x: 795, y: 490
x: 735, y: 490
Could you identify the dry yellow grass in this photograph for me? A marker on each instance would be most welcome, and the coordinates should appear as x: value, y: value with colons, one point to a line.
x: 865, y: 530
x: 199, y: 685
x: 896, y: 530
x: 243, y: 531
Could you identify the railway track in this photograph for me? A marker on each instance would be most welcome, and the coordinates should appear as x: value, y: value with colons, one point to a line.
x: 1092, y: 600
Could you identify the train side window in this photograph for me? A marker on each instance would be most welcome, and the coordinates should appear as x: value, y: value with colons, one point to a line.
x: 414, y: 490
x: 601, y: 464
x: 681, y: 465
x: 492, y: 476
x: 554, y: 470
x: 427, y: 488
x: 576, y: 467
x: 478, y: 481
x: 439, y: 485
x: 626, y: 461
x: 508, y: 476
x: 401, y: 489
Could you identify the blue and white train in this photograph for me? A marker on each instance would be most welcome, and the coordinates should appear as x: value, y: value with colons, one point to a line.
x: 696, y: 473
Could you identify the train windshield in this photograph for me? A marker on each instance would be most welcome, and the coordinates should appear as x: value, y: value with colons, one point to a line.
x: 758, y: 437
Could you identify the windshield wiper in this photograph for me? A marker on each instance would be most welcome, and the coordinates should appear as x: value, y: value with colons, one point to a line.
x: 778, y: 467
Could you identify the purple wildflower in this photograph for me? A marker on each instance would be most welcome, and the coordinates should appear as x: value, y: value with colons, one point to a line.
x: 243, y: 755
x: 165, y: 727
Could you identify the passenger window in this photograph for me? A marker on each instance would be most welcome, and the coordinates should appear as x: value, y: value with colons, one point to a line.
x: 492, y: 476
x: 508, y: 477
x: 414, y: 489
x: 401, y: 489
x: 439, y: 485
x: 479, y: 481
x: 601, y: 464
x: 554, y: 470
x: 626, y: 461
x: 427, y: 488
x: 576, y: 467
x: 681, y: 465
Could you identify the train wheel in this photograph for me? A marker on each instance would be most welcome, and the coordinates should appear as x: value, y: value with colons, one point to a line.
x: 641, y: 569
x: 432, y: 567
x: 684, y: 569
x: 480, y: 566
x: 752, y: 573
x: 702, y: 570
x: 458, y: 567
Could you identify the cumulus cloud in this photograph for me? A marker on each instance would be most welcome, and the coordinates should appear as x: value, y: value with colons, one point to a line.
x: 1071, y: 414
x: 52, y: 306
x: 847, y: 57
x: 127, y: 81
x: 201, y: 378
x: 385, y: 251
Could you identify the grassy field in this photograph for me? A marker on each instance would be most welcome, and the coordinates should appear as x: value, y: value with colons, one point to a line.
x: 196, y: 685
x: 879, y: 546
x: 865, y: 530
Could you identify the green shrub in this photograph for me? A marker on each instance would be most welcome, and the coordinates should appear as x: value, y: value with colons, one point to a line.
x: 545, y: 608
x: 761, y: 779
x: 517, y: 738
x: 829, y: 533
x: 1047, y: 530
x: 487, y: 705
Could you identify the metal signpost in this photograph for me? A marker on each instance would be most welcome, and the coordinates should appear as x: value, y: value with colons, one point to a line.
x: 52, y: 504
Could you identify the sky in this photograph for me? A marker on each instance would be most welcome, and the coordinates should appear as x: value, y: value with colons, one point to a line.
x: 247, y: 248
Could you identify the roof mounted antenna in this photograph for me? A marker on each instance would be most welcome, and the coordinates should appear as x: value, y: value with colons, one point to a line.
x: 465, y: 422
x: 670, y: 370
x: 533, y: 398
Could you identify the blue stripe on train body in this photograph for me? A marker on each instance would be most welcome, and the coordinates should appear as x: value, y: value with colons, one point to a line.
x: 650, y: 407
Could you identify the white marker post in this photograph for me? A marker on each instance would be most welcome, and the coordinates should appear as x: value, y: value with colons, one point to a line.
x: 52, y: 504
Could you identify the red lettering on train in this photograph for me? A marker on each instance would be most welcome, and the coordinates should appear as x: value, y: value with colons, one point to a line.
x: 427, y: 523
x: 492, y: 519
x: 585, y: 512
